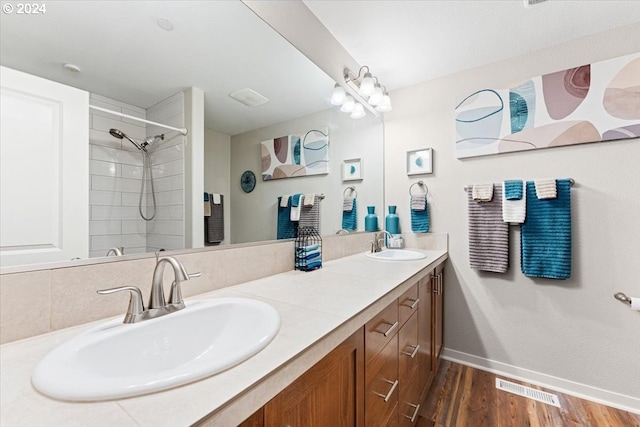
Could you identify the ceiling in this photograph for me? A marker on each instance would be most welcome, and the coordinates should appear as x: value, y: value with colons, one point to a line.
x: 221, y: 46
x: 217, y: 46
x: 408, y: 42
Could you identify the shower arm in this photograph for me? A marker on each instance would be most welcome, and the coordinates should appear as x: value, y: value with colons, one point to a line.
x: 183, y: 131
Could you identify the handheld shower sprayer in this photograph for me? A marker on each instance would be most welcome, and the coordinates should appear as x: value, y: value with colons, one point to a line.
x: 147, y: 169
x: 117, y: 133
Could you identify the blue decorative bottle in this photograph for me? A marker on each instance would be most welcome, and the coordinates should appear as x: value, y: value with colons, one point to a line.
x: 371, y: 219
x: 392, y: 222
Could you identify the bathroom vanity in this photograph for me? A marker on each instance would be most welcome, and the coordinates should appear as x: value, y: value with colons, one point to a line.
x: 380, y: 375
x: 359, y: 330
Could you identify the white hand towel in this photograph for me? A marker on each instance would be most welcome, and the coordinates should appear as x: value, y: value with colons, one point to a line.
x: 284, y: 201
x: 418, y: 202
x: 295, y: 213
x: 482, y: 192
x: 309, y: 199
x: 514, y: 210
x: 546, y: 189
x: 347, y: 204
x: 216, y: 198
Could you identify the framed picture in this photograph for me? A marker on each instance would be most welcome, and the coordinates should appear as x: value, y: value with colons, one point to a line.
x: 420, y: 161
x: 352, y: 170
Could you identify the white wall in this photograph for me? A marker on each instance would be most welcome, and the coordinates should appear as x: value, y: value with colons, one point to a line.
x: 254, y: 215
x: 166, y: 230
x: 115, y: 169
x: 217, y: 170
x: 570, y: 334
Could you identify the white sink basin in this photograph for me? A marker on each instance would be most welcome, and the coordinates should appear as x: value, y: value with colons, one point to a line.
x: 117, y: 360
x: 396, y: 255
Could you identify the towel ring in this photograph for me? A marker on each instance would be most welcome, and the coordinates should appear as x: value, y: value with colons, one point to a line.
x: 421, y: 184
x: 353, y: 189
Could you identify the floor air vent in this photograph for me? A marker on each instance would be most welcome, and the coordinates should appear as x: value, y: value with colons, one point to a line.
x: 528, y: 392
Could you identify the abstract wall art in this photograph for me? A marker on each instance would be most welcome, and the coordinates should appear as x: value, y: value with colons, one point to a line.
x: 590, y: 103
x: 300, y: 154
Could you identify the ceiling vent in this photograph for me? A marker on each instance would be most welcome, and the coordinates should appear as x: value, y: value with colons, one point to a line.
x: 249, y: 97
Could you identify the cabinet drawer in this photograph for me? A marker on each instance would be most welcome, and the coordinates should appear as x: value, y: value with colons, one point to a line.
x: 380, y: 330
x: 381, y: 384
x: 409, y: 401
x: 409, y: 349
x: 408, y: 304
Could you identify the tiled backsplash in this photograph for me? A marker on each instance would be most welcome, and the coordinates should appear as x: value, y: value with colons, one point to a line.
x: 37, y: 302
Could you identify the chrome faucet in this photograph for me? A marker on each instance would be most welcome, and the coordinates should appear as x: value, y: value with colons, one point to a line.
x: 342, y: 231
x: 115, y: 251
x: 157, y: 305
x: 376, y: 245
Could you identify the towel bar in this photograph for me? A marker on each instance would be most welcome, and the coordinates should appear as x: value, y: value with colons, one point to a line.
x: 571, y: 180
x: 622, y: 297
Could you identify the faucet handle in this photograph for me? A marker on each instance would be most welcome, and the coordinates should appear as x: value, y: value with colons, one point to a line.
x: 135, y: 301
x: 175, y: 295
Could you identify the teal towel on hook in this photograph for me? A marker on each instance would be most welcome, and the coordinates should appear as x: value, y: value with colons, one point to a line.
x: 419, y: 217
x: 286, y: 228
x: 350, y: 219
x: 545, y: 237
x: 513, y: 189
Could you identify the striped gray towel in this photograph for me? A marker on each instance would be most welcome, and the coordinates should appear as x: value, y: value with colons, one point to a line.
x: 488, y: 234
x: 310, y: 215
x: 214, y: 224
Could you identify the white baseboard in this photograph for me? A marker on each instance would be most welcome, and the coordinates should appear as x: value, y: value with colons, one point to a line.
x: 583, y: 391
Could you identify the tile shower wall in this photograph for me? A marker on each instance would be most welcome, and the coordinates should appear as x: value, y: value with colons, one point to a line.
x: 115, y: 177
x: 166, y: 231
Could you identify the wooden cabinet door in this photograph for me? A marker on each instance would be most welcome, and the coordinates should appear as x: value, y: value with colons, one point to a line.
x: 424, y: 331
x: 331, y: 393
x: 438, y: 300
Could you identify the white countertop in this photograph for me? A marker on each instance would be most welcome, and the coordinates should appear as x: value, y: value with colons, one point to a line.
x: 318, y: 310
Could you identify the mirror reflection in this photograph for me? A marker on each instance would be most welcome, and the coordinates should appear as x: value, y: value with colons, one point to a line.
x: 193, y: 65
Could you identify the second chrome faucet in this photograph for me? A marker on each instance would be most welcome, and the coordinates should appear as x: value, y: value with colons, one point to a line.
x: 157, y: 306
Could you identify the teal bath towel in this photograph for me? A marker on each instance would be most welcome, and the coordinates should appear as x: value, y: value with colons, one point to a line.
x: 350, y: 218
x: 545, y: 238
x: 419, y: 216
x: 286, y: 228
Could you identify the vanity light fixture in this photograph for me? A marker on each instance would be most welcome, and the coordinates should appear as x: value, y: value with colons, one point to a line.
x: 338, y: 96
x: 358, y: 111
x: 367, y: 91
x: 385, y: 104
x: 349, y: 104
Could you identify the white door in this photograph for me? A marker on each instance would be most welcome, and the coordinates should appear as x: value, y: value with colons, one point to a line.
x: 44, y: 170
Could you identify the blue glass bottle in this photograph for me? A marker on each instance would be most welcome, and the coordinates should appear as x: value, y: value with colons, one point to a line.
x: 392, y: 222
x: 371, y: 219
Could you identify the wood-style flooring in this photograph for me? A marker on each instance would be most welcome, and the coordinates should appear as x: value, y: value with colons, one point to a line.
x: 461, y: 396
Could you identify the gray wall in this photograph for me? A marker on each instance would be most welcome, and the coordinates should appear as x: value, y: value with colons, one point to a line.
x: 254, y: 215
x: 570, y: 334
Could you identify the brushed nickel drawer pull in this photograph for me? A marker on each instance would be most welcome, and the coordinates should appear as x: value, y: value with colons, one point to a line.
x: 414, y: 303
x: 415, y: 412
x: 414, y: 352
x: 388, y: 331
x: 388, y: 395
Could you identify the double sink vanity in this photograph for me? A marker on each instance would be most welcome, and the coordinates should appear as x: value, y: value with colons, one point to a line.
x: 283, y: 349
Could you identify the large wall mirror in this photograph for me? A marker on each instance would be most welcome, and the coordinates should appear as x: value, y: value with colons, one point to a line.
x: 141, y: 59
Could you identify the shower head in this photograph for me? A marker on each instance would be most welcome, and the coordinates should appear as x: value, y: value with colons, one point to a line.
x: 117, y: 133
x: 152, y: 140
